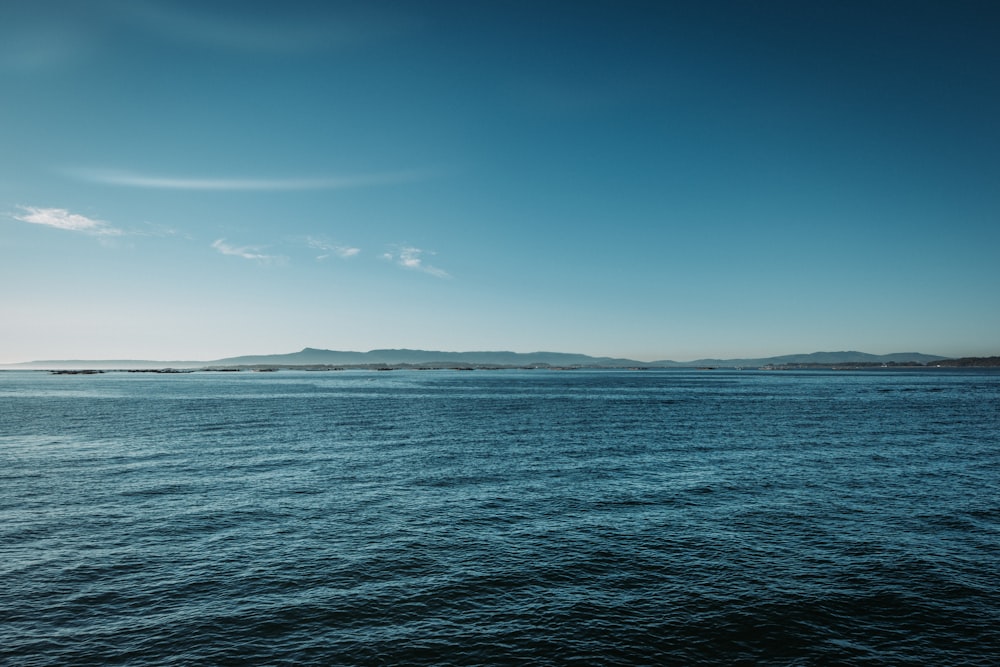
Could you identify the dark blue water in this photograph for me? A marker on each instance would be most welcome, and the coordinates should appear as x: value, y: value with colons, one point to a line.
x: 507, y: 517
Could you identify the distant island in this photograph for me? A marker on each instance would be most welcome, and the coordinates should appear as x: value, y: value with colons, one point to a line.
x: 319, y: 359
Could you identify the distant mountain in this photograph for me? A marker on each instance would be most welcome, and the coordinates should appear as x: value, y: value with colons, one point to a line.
x: 391, y: 357
x: 312, y: 356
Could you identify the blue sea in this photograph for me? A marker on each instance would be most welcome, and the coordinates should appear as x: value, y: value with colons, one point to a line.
x: 514, y: 517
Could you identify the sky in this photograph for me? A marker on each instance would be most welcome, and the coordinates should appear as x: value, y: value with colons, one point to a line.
x: 651, y: 180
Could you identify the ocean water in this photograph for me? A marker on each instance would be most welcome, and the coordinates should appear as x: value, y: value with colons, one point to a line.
x: 528, y: 517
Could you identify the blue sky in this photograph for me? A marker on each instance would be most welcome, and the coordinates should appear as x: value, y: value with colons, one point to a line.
x: 655, y: 180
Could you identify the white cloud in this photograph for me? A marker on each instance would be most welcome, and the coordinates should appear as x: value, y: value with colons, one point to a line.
x: 135, y: 180
x: 410, y: 258
x: 246, y: 252
x: 332, y: 249
x: 60, y: 218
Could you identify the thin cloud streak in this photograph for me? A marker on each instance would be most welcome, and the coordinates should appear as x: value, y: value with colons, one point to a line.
x: 409, y: 257
x: 246, y: 252
x: 61, y: 218
x: 135, y: 180
x: 328, y: 248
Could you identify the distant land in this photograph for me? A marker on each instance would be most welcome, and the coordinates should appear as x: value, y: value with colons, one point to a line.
x: 318, y: 358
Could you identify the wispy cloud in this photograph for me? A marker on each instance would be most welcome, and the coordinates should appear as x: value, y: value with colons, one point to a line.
x: 136, y: 180
x: 409, y: 257
x: 328, y: 249
x: 64, y: 34
x: 60, y: 218
x: 246, y: 252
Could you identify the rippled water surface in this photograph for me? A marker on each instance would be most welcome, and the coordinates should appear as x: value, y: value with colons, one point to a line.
x: 500, y: 517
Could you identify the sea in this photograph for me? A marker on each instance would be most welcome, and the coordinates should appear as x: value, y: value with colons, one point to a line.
x: 500, y: 517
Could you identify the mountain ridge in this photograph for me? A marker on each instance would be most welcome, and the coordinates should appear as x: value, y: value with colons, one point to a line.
x: 310, y: 356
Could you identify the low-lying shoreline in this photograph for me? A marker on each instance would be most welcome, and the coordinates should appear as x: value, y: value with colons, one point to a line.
x: 965, y: 362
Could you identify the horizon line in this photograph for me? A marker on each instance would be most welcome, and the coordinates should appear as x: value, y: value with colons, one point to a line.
x: 699, y: 360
